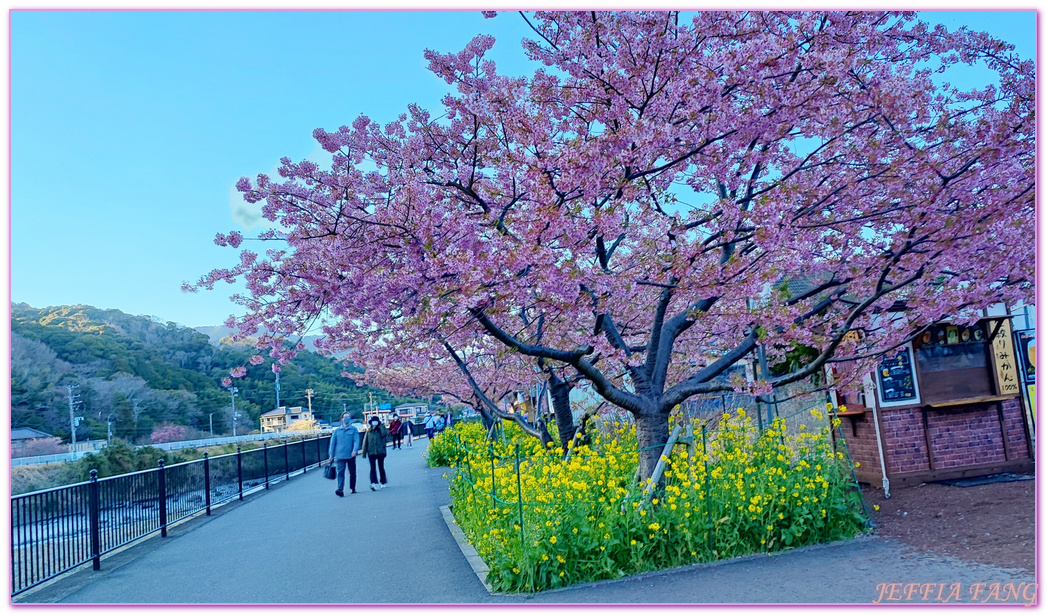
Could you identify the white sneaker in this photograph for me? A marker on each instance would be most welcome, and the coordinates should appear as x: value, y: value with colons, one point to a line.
x: 373, y: 488
x: 381, y: 486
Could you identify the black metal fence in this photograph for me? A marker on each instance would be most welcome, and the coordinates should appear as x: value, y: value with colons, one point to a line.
x: 56, y: 530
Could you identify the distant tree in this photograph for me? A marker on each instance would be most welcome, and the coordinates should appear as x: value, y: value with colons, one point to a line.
x: 38, y: 446
x: 169, y: 433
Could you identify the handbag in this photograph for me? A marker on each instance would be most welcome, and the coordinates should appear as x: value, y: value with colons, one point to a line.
x: 329, y: 471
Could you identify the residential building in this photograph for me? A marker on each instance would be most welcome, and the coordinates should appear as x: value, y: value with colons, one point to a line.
x: 281, y: 418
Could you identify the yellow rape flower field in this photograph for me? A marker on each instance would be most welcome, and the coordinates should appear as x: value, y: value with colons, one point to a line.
x: 732, y: 492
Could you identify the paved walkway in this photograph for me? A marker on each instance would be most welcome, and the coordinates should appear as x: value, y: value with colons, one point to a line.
x: 300, y: 543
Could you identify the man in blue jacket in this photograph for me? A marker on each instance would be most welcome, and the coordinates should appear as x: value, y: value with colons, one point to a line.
x: 345, y: 443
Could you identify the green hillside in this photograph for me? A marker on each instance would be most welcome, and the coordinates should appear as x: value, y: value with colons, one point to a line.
x: 143, y: 372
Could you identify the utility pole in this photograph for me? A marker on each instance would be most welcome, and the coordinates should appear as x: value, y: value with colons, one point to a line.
x: 232, y: 393
x: 309, y: 396
x: 109, y: 430
x: 210, y: 423
x: 277, y: 389
x: 73, y: 400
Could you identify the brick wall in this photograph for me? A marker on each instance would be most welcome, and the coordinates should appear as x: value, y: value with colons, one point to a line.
x: 861, y: 443
x: 965, y: 436
x: 903, y: 440
x: 959, y: 436
x: 1013, y: 419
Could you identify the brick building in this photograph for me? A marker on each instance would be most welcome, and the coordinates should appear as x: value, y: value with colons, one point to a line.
x: 948, y: 405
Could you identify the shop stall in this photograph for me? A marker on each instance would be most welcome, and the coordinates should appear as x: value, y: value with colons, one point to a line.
x: 945, y: 406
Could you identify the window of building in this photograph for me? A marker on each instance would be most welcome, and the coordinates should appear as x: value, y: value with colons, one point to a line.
x: 954, y: 362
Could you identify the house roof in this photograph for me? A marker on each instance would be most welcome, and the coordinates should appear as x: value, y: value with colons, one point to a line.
x: 28, y: 433
x: 284, y: 410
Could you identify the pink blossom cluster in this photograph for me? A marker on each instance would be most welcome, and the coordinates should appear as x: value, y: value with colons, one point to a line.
x: 668, y: 196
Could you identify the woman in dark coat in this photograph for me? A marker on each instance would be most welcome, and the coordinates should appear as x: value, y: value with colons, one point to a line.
x: 374, y: 450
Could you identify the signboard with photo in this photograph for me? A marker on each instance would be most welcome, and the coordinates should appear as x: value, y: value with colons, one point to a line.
x: 1027, y: 354
x: 896, y: 380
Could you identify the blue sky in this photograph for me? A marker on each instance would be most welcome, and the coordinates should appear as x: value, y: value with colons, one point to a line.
x: 128, y: 130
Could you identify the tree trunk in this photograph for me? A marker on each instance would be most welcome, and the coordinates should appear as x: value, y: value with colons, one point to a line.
x: 485, y: 415
x: 652, y: 432
x: 547, y: 439
x: 561, y: 393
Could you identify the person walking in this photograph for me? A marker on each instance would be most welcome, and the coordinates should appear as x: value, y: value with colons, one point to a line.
x: 430, y: 425
x: 407, y: 431
x: 345, y: 442
x: 374, y: 450
x: 396, y: 431
x: 438, y: 424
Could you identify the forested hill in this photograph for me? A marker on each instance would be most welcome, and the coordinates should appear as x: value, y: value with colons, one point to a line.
x: 144, y: 372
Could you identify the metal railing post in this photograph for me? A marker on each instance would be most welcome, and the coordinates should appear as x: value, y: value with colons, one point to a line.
x: 162, y: 494
x: 240, y: 472
x: 304, y: 466
x: 96, y: 538
x: 490, y: 450
x: 265, y: 462
x: 519, y: 499
x: 207, y: 484
x: 318, y: 456
x: 287, y: 465
x: 708, y: 498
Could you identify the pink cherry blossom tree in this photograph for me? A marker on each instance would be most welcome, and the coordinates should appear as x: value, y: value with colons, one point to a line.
x: 169, y: 433
x: 642, y: 211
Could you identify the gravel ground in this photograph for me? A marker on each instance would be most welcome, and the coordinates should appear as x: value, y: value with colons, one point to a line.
x: 990, y: 524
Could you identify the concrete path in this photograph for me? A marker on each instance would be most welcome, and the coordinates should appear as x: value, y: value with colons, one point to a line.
x: 300, y: 543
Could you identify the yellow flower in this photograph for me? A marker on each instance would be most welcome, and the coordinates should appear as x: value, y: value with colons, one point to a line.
x: 654, y: 526
x: 552, y: 539
x: 876, y: 507
x: 561, y: 573
x: 633, y: 542
x: 857, y: 464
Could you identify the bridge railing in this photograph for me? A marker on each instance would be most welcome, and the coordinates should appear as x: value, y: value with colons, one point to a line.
x: 56, y: 530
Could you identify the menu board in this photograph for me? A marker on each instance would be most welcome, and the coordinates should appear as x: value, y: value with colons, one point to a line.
x: 896, y: 379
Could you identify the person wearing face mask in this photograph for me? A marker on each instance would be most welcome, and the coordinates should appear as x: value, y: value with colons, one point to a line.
x: 345, y: 441
x: 374, y: 449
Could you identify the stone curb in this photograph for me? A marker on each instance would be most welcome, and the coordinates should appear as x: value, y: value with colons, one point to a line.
x: 481, y: 569
x: 478, y: 565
